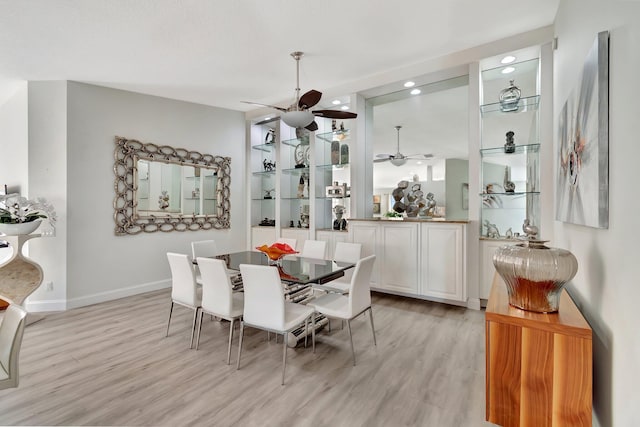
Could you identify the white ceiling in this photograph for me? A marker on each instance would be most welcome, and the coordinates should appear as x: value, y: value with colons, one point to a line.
x: 222, y: 52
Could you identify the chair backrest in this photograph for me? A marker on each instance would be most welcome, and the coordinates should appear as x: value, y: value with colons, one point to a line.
x: 217, y: 291
x: 204, y: 248
x: 263, y: 296
x: 290, y: 242
x: 314, y: 249
x: 359, y: 292
x: 347, y: 252
x: 11, y: 331
x: 183, y: 279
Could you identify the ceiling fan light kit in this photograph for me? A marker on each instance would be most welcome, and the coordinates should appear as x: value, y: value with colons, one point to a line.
x: 298, y: 114
x: 399, y: 159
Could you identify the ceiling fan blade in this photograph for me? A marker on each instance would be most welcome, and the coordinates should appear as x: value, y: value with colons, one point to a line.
x: 381, y: 160
x: 334, y: 114
x: 312, y: 127
x: 309, y: 99
x: 419, y: 156
x: 384, y: 156
x: 267, y: 120
x: 264, y: 105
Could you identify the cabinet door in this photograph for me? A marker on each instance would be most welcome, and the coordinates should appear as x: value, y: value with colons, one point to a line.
x: 442, y: 269
x: 398, y: 263
x: 300, y: 234
x: 367, y: 235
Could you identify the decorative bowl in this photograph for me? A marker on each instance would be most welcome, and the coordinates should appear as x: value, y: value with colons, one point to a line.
x: 20, y: 228
x: 276, y: 251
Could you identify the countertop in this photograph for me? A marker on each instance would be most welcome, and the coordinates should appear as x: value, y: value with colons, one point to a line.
x: 418, y: 219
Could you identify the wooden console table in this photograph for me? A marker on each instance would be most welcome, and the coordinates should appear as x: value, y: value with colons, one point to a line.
x: 539, y: 366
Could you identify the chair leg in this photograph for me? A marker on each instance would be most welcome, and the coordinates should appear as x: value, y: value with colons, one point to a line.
x: 306, y: 331
x: 193, y: 328
x: 199, y: 330
x: 313, y: 331
x: 169, y: 322
x: 233, y: 321
x: 353, y: 352
x: 373, y: 330
x: 240, y: 343
x: 285, y: 338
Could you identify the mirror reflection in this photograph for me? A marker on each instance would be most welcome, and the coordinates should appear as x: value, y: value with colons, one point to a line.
x: 430, y: 149
x: 172, y: 188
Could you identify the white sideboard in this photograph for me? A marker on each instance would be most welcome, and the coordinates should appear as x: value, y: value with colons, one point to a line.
x: 488, y: 247
x: 424, y: 259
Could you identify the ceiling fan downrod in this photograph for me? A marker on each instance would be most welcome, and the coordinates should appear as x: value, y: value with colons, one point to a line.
x: 297, y: 55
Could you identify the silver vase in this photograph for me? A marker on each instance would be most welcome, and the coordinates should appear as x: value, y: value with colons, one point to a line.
x: 535, y: 274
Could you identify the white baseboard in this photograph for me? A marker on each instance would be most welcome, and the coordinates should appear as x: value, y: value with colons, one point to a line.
x: 61, y: 305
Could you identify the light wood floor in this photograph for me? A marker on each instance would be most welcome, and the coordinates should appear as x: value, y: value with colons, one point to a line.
x: 110, y: 364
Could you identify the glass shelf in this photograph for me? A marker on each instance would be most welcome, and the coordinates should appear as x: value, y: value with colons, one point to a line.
x: 263, y: 199
x: 333, y: 136
x: 520, y: 149
x: 293, y: 142
x: 529, y: 103
x: 333, y: 167
x: 264, y: 173
x: 295, y: 171
x: 515, y: 193
x: 294, y: 198
x: 264, y: 147
x: 331, y: 198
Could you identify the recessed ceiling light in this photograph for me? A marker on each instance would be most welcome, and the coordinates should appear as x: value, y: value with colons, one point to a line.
x: 336, y: 102
x: 409, y: 84
x: 344, y: 107
x: 415, y: 92
x: 508, y: 70
x: 508, y: 59
x: 268, y: 118
x: 419, y: 162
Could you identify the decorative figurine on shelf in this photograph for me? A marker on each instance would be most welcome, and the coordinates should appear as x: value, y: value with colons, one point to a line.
x: 509, y: 186
x: 267, y: 193
x: 195, y: 193
x: 268, y: 222
x: 304, y: 217
x: 344, y: 154
x: 508, y: 234
x: 510, y: 97
x: 335, y: 152
x: 510, y: 146
x: 342, y: 129
x: 303, y: 135
x: 334, y: 125
x: 269, y: 165
x: 339, y: 223
x: 398, y: 194
x: 301, y: 186
x: 163, y: 200
x: 291, y: 224
x: 301, y: 155
x: 492, y: 230
x: 530, y: 230
x: 270, y: 137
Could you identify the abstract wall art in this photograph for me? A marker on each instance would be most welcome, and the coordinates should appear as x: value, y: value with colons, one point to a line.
x: 582, y: 191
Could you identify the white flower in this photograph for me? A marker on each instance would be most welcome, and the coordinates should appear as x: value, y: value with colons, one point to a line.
x: 15, y: 209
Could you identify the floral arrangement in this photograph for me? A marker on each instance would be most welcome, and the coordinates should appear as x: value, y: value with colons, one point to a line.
x: 15, y: 209
x: 393, y: 214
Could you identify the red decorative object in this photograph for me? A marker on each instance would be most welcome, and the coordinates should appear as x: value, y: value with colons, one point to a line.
x: 276, y: 251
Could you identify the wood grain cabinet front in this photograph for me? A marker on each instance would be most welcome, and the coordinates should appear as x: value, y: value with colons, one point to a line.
x: 539, y: 366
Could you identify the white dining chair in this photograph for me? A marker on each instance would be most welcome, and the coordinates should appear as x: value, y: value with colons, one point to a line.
x: 183, y: 287
x: 265, y: 308
x: 11, y: 332
x: 314, y: 249
x: 203, y: 248
x: 218, y: 298
x: 348, y: 307
x: 289, y: 241
x: 345, y: 252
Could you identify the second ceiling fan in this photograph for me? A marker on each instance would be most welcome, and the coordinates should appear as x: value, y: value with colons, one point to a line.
x: 298, y: 115
x: 399, y: 159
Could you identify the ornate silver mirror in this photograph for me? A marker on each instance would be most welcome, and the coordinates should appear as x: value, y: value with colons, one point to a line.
x: 161, y: 188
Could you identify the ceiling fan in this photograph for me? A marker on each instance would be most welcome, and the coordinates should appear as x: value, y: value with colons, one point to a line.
x: 400, y: 159
x: 298, y: 115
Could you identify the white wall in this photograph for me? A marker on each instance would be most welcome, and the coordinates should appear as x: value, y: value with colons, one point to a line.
x: 457, y: 173
x: 101, y: 266
x: 13, y: 143
x: 606, y: 286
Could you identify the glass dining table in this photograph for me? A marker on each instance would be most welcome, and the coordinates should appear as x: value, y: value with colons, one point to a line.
x: 294, y: 269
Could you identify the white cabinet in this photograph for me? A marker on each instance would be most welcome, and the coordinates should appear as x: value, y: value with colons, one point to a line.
x: 443, y: 261
x: 332, y: 237
x: 262, y: 236
x: 300, y: 234
x: 398, y: 257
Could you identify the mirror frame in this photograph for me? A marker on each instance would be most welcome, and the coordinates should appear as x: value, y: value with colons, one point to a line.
x: 127, y: 153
